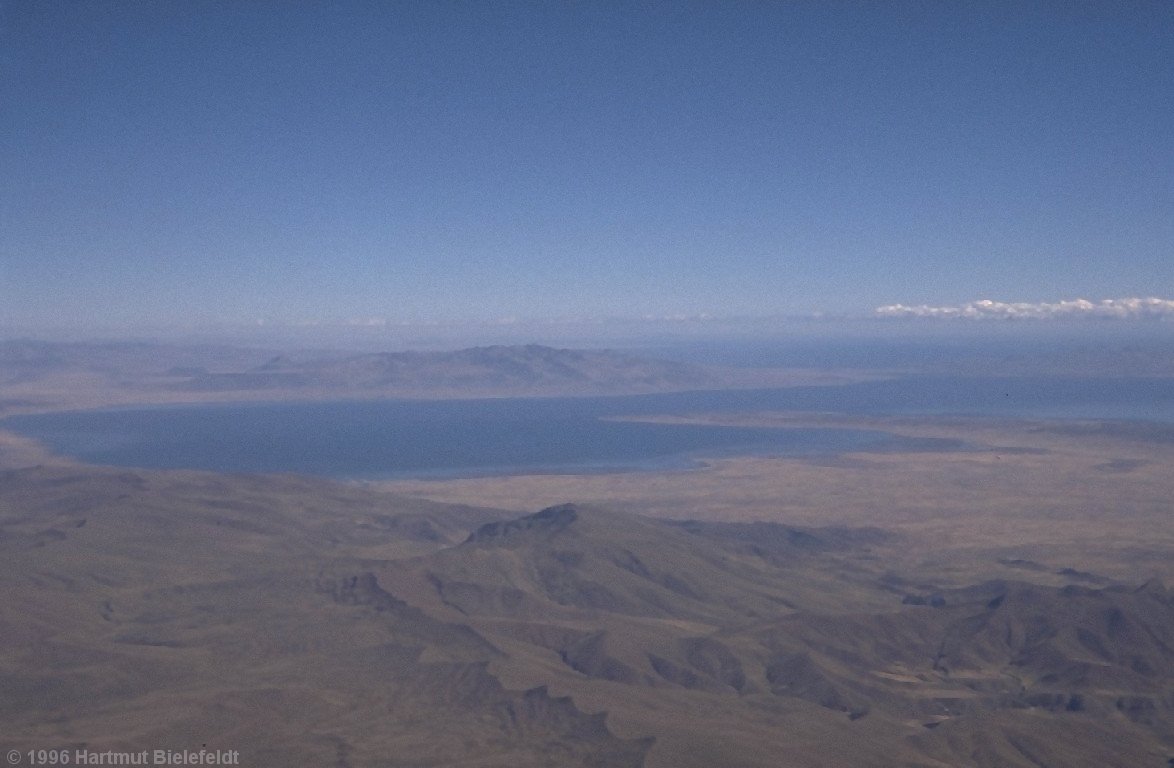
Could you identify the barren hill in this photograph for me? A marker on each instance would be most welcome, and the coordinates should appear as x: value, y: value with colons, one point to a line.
x: 308, y: 623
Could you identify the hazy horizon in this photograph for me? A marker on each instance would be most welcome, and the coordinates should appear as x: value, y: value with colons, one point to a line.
x: 722, y: 335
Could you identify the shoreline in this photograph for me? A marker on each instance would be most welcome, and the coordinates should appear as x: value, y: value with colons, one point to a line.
x: 20, y: 452
x: 86, y: 393
x: 1074, y: 494
x: 958, y: 434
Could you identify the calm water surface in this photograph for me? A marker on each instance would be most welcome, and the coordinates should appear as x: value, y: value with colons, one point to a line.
x: 395, y: 438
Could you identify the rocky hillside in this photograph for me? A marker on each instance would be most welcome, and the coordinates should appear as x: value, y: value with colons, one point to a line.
x: 307, y: 624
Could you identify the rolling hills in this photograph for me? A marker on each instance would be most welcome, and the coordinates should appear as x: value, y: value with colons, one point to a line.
x: 309, y: 623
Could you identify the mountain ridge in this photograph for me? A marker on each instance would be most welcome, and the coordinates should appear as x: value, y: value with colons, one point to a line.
x: 298, y: 619
x: 40, y: 376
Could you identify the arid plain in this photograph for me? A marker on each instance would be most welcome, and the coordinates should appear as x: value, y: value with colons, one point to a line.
x: 1072, y: 495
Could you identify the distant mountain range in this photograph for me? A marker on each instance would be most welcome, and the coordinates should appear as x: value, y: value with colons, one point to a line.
x: 39, y: 376
x: 521, y: 369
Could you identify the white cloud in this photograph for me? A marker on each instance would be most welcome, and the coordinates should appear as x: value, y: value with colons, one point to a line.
x: 986, y: 309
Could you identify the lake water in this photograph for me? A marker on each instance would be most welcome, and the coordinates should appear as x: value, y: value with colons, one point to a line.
x: 396, y: 438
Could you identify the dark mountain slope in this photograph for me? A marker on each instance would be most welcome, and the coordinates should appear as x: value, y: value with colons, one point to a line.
x: 307, y: 623
x: 775, y: 617
x: 572, y: 559
x: 174, y: 610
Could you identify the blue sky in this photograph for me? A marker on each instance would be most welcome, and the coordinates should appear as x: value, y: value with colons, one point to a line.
x: 224, y: 162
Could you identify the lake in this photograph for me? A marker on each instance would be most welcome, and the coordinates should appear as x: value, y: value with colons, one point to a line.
x: 400, y: 438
